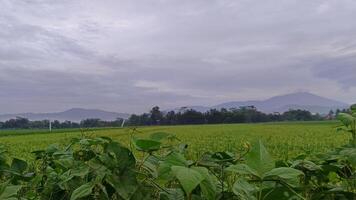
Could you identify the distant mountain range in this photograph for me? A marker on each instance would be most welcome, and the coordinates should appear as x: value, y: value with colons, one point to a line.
x: 74, y: 114
x: 299, y: 100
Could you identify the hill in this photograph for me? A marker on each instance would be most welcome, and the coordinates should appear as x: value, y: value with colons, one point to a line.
x: 74, y: 114
x: 282, y: 103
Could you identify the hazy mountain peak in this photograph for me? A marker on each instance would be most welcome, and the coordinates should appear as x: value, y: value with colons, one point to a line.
x: 282, y: 103
x: 73, y: 114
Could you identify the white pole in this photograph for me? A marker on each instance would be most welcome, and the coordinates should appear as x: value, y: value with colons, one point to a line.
x: 123, y: 123
x: 50, y: 126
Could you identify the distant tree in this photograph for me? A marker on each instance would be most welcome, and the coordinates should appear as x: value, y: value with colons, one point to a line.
x: 297, y: 115
x: 87, y: 123
x: 214, y: 116
x: 156, y: 115
x: 170, y: 118
x: 191, y: 117
x: 19, y: 122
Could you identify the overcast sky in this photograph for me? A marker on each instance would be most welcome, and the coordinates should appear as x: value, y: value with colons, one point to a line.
x: 129, y: 55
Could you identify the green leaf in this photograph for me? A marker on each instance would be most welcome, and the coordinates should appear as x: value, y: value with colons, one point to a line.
x: 65, y: 163
x: 285, y: 174
x: 173, y: 159
x: 158, y: 136
x: 151, y: 165
x: 305, y: 164
x: 9, y: 192
x: 82, y: 191
x: 124, y: 157
x: 346, y: 119
x: 244, y: 190
x: 172, y: 194
x: 188, y: 178
x: 242, y: 169
x: 259, y: 159
x: 18, y: 165
x: 350, y: 155
x: 353, y: 108
x: 208, y: 185
x: 81, y: 170
x: 146, y: 145
x: 125, y: 183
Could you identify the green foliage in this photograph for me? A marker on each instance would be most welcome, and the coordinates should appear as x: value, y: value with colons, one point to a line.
x: 157, y: 167
x: 349, y: 123
x: 259, y: 159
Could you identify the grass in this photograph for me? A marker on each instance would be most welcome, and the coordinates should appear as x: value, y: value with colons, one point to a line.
x: 282, y: 139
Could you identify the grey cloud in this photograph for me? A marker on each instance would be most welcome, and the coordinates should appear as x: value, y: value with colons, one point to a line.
x: 341, y: 69
x: 130, y: 55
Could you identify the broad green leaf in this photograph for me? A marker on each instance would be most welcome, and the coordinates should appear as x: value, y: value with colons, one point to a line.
x: 124, y: 157
x: 125, y: 183
x: 146, y: 145
x: 281, y: 193
x: 305, y: 164
x: 9, y: 192
x: 82, y: 191
x: 350, y: 155
x: 259, y: 159
x: 208, y: 185
x: 65, y: 162
x: 189, y: 178
x: 158, y: 136
x: 151, y: 165
x: 285, y: 174
x: 346, y: 119
x: 242, y: 169
x: 244, y: 190
x: 172, y: 194
x: 173, y: 159
x: 18, y: 165
x: 81, y: 170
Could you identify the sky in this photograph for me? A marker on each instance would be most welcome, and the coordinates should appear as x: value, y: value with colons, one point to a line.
x: 127, y: 56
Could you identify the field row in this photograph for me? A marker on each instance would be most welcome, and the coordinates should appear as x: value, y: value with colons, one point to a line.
x: 284, y: 140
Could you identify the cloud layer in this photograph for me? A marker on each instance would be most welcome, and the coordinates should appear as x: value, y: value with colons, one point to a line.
x: 130, y: 55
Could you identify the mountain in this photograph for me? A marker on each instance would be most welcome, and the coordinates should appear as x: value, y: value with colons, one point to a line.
x: 74, y: 114
x: 299, y: 100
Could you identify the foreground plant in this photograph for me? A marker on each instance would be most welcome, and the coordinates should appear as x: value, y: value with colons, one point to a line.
x: 157, y: 168
x: 349, y: 123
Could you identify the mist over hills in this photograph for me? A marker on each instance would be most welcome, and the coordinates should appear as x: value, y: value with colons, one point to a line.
x: 74, y: 114
x: 282, y: 103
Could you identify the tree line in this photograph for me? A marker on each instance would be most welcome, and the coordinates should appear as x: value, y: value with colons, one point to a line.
x: 24, y: 123
x: 247, y: 114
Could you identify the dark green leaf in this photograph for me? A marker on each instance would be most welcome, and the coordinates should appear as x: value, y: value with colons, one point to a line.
x: 244, y: 190
x: 188, y: 178
x: 172, y: 194
x: 158, y: 136
x: 82, y: 191
x: 9, y: 192
x: 208, y: 185
x: 173, y: 159
x: 259, y: 159
x: 288, y: 175
x: 242, y: 169
x: 18, y: 165
x: 146, y: 145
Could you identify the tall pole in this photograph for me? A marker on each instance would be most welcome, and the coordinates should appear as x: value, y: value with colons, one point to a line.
x: 50, y: 126
x: 123, y: 123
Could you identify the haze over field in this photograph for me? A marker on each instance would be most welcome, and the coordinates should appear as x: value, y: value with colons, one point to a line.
x: 127, y: 56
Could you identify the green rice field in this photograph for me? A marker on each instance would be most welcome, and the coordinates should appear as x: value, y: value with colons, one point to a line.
x: 284, y: 140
